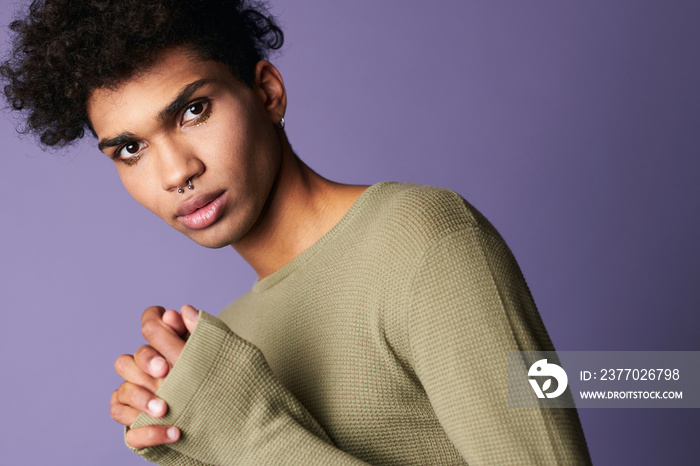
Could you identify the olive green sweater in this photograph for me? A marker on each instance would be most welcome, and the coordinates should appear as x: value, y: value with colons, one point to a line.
x: 385, y: 342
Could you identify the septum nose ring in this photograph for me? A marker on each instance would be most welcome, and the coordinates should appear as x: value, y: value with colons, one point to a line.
x: 189, y: 186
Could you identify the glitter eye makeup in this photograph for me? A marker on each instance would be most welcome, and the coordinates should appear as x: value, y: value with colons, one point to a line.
x: 132, y: 160
x: 199, y: 112
x: 196, y: 113
x: 130, y: 153
x: 203, y: 118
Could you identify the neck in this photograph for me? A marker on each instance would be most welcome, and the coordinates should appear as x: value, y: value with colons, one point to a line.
x: 301, y: 208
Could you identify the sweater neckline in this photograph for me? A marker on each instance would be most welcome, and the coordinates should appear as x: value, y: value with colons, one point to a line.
x: 271, y: 280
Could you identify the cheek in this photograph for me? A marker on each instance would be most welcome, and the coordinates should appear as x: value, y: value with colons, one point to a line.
x: 235, y: 156
x: 270, y: 158
x: 143, y: 194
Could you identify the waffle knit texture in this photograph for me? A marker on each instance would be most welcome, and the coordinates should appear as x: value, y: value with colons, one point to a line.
x: 386, y: 342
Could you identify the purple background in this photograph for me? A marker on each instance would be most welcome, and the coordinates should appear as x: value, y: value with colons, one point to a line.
x: 574, y: 126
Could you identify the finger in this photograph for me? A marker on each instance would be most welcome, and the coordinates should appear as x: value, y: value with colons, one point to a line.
x: 127, y: 367
x: 141, y: 399
x: 175, y: 322
x: 160, y: 336
x: 123, y: 414
x: 151, y: 312
x: 190, y: 315
x: 150, y: 436
x: 150, y: 361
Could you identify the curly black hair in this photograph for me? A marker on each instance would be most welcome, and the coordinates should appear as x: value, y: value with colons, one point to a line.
x: 64, y: 49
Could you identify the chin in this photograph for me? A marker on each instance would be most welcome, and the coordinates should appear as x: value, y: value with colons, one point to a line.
x: 212, y: 243
x: 214, y: 238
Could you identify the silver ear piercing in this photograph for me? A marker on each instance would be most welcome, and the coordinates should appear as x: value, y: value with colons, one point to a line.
x: 189, y: 186
x: 280, y: 125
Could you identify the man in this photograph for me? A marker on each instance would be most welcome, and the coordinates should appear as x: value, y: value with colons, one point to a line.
x: 379, y: 328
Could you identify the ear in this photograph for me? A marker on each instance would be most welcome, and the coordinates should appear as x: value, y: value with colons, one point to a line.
x: 270, y: 88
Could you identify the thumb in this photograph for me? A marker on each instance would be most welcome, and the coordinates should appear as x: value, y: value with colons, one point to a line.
x: 190, y: 315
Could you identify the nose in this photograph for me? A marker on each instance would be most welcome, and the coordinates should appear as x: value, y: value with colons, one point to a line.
x: 178, y: 163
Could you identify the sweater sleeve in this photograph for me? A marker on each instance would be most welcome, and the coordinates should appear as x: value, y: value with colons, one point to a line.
x: 231, y: 409
x: 470, y: 306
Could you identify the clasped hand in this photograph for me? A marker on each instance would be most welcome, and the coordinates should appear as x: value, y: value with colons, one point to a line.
x: 145, y: 371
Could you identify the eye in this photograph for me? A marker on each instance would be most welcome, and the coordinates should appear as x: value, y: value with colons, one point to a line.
x: 130, y: 152
x: 196, y: 113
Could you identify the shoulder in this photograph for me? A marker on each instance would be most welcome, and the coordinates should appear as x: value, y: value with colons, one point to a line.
x: 425, y: 214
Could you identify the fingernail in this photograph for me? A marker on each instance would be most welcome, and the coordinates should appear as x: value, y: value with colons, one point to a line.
x: 156, y: 407
x: 191, y: 314
x: 173, y: 433
x: 157, y: 364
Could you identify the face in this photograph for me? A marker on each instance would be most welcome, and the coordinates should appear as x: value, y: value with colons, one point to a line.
x: 189, y: 122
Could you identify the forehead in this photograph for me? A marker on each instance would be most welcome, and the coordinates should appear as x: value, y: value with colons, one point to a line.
x: 148, y: 91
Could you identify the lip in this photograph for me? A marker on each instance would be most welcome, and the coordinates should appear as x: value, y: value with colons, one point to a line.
x: 202, y: 211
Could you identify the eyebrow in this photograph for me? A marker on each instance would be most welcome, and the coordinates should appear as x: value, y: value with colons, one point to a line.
x: 116, y: 141
x: 181, y: 98
x: 163, y: 115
